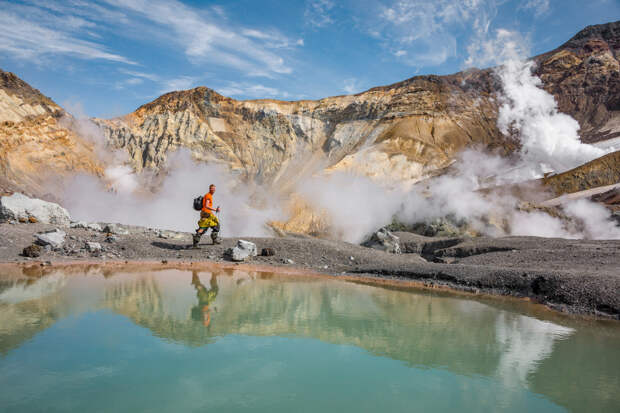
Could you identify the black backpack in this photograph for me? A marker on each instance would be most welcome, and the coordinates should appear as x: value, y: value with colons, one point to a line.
x: 198, y: 203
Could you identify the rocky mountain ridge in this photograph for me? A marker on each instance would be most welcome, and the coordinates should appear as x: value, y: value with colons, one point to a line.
x: 402, y: 131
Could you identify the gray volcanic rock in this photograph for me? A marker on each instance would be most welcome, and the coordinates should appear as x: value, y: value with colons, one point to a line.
x: 93, y: 226
x: 54, y: 239
x: 116, y: 229
x: 93, y: 247
x: 242, y: 251
x: 384, y: 240
x: 19, y: 206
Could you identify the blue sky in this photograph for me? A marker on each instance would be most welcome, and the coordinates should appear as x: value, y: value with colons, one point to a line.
x: 107, y: 57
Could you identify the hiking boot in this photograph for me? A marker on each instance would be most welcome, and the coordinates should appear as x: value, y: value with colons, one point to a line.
x: 215, y: 239
x: 195, y: 240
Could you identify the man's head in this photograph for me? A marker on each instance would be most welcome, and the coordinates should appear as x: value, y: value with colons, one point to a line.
x: 211, y: 189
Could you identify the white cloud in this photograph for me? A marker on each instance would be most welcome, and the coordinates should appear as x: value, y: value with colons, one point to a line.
x: 352, y: 86
x: 539, y: 7
x: 75, y: 27
x: 421, y: 33
x: 257, y: 91
x: 132, y: 81
x: 148, y: 76
x: 179, y: 83
x: 205, y: 39
x: 44, y: 34
x: 317, y: 13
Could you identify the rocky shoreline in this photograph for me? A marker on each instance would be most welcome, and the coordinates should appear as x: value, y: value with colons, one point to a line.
x: 572, y: 276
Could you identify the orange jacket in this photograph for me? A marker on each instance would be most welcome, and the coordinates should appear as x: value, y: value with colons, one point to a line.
x: 207, y: 202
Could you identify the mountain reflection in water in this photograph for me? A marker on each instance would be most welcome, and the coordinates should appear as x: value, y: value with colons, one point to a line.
x: 422, y: 329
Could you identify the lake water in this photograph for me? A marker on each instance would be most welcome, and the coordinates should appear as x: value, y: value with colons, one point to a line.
x: 226, y: 340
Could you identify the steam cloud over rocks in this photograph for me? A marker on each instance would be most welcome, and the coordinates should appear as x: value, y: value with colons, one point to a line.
x: 354, y: 205
x: 165, y: 201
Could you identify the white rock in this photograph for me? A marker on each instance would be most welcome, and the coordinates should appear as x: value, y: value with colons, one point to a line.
x: 93, y: 246
x: 19, y: 206
x: 93, y: 226
x: 116, y: 229
x: 242, y: 251
x: 165, y: 234
x: 55, y: 239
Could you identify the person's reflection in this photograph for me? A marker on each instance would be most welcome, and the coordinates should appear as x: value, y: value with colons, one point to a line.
x: 205, y: 298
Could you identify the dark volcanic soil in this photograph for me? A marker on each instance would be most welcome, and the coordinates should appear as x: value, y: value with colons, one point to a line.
x: 576, y: 276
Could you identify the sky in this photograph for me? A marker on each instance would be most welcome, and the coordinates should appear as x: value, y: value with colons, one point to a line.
x: 105, y: 58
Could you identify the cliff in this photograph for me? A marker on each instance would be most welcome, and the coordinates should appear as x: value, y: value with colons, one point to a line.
x: 37, y: 144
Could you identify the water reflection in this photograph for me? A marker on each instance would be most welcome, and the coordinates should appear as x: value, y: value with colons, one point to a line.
x: 202, y: 312
x: 423, y: 330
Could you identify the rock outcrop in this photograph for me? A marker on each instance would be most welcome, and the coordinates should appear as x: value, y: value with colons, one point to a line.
x: 20, y: 207
x: 584, y: 76
x: 599, y: 172
x: 37, y: 141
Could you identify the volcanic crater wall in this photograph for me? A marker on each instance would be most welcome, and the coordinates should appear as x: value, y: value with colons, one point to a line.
x: 401, y: 131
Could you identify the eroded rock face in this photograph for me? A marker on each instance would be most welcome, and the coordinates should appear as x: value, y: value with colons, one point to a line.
x: 36, y: 141
x: 402, y: 131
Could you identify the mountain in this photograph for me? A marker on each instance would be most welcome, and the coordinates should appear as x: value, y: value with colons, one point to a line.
x: 37, y: 142
x: 402, y: 131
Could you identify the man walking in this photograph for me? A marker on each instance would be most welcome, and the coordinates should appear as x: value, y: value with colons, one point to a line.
x: 208, y: 219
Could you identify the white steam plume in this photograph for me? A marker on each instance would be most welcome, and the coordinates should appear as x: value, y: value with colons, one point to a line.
x: 244, y: 212
x: 549, y: 142
x: 549, y: 139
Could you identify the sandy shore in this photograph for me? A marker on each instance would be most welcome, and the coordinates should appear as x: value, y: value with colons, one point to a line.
x: 573, y: 276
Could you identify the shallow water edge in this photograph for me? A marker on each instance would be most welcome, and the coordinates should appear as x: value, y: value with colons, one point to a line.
x: 496, y: 297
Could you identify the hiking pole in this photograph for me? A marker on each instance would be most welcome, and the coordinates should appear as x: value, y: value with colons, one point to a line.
x: 219, y: 216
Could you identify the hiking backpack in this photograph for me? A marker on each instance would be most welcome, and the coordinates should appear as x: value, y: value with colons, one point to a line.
x: 198, y: 203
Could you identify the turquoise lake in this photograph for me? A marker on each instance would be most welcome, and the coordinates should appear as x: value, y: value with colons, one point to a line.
x: 228, y: 340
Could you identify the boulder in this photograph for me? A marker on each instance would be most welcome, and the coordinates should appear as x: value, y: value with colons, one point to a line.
x: 19, y: 207
x: 115, y: 229
x: 32, y: 251
x: 384, y: 240
x: 267, y: 252
x: 242, y: 251
x: 93, y: 226
x: 93, y: 247
x: 55, y: 239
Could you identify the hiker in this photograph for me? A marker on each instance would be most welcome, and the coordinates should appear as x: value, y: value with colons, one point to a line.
x: 202, y: 312
x: 208, y: 219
